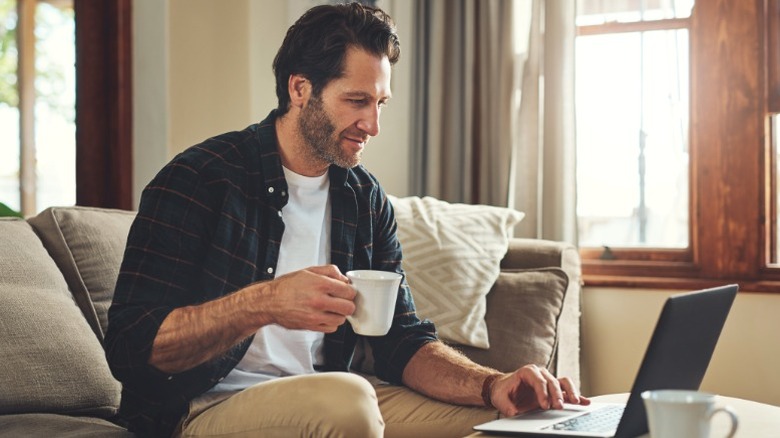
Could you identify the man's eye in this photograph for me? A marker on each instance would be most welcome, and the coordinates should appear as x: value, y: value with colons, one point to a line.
x: 357, y: 101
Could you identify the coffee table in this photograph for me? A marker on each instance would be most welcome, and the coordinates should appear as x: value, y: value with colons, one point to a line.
x: 756, y: 420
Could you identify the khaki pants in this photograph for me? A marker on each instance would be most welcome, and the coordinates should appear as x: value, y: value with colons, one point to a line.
x: 328, y: 405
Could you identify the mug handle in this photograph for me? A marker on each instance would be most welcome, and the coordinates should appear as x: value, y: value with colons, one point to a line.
x: 732, y: 415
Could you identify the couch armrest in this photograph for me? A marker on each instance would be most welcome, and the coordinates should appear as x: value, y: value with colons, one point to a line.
x: 533, y: 255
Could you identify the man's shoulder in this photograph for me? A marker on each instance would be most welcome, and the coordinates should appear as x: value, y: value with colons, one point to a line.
x: 232, y: 159
x: 235, y: 148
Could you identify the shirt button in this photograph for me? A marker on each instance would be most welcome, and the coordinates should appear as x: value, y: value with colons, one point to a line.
x: 270, y: 270
x: 284, y: 193
x: 279, y: 213
x: 170, y: 377
x: 270, y: 189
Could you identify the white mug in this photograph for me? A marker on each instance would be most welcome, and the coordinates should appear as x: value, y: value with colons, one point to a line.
x: 374, y: 302
x: 673, y: 413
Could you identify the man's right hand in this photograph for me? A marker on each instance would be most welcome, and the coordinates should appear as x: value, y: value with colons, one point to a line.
x: 317, y: 298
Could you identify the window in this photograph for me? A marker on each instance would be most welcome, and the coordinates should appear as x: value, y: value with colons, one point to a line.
x: 632, y: 127
x: 677, y: 168
x: 103, y: 104
x: 37, y: 104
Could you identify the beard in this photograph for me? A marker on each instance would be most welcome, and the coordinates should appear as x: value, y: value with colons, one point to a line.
x: 319, y: 135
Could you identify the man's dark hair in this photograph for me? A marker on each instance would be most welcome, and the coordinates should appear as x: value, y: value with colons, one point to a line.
x: 316, y: 45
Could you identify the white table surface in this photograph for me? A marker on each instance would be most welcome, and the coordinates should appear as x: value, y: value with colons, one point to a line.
x: 756, y: 420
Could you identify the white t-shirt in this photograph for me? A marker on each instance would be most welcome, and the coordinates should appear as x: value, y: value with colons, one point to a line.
x: 275, y: 350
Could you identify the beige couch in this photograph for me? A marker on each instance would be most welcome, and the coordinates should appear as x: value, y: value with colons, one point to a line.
x: 57, y: 273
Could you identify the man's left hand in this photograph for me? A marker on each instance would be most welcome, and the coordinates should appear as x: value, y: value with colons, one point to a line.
x: 533, y: 387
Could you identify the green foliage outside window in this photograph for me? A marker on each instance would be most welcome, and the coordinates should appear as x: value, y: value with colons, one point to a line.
x: 8, y: 54
x: 50, y: 82
x: 6, y: 211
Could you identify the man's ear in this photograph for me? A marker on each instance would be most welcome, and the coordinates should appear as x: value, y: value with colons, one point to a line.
x: 299, y: 89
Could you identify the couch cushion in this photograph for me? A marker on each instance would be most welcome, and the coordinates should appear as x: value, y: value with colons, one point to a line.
x: 522, y: 318
x: 523, y: 311
x: 87, y: 244
x: 60, y: 426
x: 452, y: 254
x: 51, y: 360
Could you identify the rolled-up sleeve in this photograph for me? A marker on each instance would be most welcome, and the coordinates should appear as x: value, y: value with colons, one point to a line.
x: 408, y: 333
x: 159, y: 271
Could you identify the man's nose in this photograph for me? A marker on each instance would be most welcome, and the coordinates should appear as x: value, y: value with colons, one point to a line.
x: 369, y: 123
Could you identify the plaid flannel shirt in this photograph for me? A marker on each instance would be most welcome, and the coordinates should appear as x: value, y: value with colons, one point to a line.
x: 209, y: 224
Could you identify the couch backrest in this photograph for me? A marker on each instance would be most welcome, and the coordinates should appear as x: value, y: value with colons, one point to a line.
x: 51, y: 359
x: 87, y: 245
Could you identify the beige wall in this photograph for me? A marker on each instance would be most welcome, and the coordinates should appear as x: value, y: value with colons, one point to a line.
x: 209, y: 68
x: 151, y: 110
x: 267, y: 26
x: 617, y: 325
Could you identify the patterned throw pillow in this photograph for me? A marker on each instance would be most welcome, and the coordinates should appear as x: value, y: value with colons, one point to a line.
x: 452, y: 254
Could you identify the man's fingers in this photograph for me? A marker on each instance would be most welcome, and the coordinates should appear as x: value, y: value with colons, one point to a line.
x: 334, y: 283
x: 535, y: 386
x: 554, y: 392
x: 341, y: 307
x: 331, y: 271
x: 330, y: 323
x: 538, y: 383
x: 547, y: 388
x: 571, y: 393
x: 317, y: 298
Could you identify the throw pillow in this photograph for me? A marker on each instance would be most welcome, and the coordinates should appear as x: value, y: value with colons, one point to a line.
x: 452, y: 254
x: 51, y: 360
x: 523, y: 311
x: 87, y: 244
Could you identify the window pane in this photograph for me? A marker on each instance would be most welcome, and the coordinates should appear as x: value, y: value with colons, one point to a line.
x: 632, y: 139
x: 55, y: 85
x: 590, y: 12
x: 9, y: 111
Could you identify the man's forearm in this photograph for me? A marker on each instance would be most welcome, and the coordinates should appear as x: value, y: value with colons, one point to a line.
x: 193, y: 335
x: 317, y: 298
x: 442, y: 373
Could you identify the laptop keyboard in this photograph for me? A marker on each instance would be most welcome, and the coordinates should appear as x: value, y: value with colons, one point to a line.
x: 601, y: 420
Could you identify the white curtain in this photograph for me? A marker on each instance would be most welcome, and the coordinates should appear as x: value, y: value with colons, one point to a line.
x: 494, y: 108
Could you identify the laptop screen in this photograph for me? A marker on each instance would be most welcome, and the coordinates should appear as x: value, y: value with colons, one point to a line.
x: 679, y: 351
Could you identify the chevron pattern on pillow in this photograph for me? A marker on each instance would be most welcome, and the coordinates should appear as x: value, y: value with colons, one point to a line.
x: 452, y: 254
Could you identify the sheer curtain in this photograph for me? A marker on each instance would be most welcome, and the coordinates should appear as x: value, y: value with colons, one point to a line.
x: 493, y: 119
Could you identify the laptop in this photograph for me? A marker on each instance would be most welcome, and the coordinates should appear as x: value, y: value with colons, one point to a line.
x: 677, y: 357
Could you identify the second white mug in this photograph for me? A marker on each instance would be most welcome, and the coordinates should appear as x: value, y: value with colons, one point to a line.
x: 675, y: 413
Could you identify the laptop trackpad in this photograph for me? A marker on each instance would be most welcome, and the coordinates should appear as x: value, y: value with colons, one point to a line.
x: 536, y: 420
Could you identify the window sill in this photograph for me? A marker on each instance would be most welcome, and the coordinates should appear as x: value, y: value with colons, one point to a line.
x: 638, y: 282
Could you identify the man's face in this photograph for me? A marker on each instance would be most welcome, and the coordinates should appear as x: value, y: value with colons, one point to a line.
x: 337, y: 123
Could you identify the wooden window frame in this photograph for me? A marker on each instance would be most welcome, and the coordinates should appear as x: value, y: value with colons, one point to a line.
x: 104, y: 104
x: 734, y: 88
x: 25, y: 77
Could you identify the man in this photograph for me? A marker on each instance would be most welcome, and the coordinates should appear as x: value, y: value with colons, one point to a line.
x: 231, y: 299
